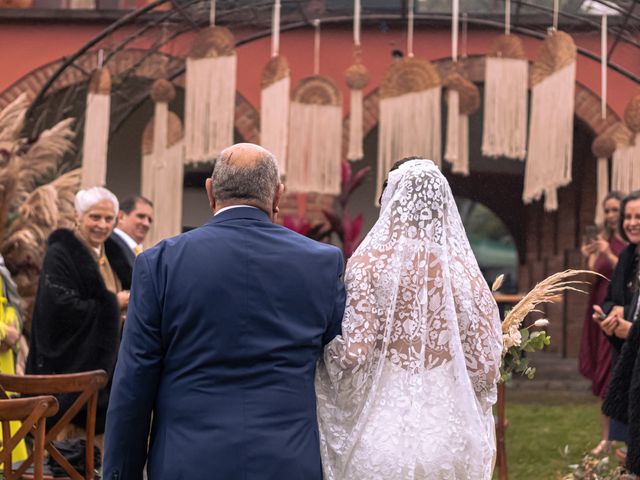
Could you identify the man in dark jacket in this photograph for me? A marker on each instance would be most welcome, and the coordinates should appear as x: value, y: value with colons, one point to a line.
x: 223, y: 332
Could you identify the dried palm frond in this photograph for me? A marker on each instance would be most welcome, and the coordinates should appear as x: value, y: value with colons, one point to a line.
x: 544, y: 292
x: 12, y: 118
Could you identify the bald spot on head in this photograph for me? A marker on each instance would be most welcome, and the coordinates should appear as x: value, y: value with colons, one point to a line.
x: 244, y: 154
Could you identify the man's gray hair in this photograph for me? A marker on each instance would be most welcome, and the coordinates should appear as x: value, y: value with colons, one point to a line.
x: 257, y: 182
x: 87, y: 198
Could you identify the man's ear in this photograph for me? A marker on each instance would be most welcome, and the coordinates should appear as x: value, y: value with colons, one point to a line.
x: 208, y: 185
x: 276, y: 199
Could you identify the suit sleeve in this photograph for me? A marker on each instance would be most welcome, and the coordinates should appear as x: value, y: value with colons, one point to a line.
x: 135, y: 382
x: 615, y: 295
x: 334, y: 328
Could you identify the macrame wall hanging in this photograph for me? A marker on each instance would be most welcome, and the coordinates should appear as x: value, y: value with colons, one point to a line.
x: 626, y: 159
x: 357, y: 77
x: 506, y: 81
x: 162, y: 164
x: 96, y: 129
x: 210, y: 93
x: 604, y: 145
x: 315, y: 144
x: 463, y: 99
x: 410, y: 118
x: 550, y: 148
x: 274, y: 98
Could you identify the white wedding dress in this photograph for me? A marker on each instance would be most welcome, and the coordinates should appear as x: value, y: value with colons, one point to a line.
x: 406, y: 391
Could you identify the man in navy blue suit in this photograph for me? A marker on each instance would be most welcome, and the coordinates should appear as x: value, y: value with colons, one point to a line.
x: 224, y: 327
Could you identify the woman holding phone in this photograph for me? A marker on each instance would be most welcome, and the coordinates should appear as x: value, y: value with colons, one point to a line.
x: 601, y: 251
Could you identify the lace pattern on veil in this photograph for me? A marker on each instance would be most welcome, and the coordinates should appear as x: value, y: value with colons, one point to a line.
x: 420, y: 326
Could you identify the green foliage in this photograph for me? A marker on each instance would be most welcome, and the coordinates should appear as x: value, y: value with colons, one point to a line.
x: 514, y: 360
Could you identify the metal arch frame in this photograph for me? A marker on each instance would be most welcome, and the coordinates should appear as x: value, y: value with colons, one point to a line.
x: 180, y: 10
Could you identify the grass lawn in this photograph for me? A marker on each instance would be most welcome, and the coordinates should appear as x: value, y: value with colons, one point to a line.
x: 541, y: 424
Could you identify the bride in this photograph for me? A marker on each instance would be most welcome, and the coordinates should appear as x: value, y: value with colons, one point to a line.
x: 406, y: 391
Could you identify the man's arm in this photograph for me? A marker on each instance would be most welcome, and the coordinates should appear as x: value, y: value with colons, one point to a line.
x: 135, y: 381
x: 334, y: 327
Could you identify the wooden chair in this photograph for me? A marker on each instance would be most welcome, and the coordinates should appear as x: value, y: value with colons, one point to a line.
x: 32, y: 412
x: 87, y: 385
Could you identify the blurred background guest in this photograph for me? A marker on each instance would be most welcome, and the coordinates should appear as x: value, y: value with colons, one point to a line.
x: 134, y: 221
x: 10, y: 340
x: 82, y: 295
x: 601, y: 251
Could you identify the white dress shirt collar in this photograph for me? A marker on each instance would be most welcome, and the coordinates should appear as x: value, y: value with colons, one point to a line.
x: 131, y: 243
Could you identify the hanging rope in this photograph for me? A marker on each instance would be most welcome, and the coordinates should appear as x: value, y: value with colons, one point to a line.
x: 356, y: 22
x: 275, y: 27
x: 212, y: 13
x: 464, y: 34
x: 316, y: 47
x: 507, y: 17
x: 556, y: 4
x: 603, y: 72
x: 410, y: 30
x: 455, y: 20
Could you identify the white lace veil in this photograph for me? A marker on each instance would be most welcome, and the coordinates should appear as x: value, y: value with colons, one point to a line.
x: 417, y: 305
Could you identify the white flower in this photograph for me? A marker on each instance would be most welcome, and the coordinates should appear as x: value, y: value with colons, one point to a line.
x: 512, y: 338
x: 543, y: 322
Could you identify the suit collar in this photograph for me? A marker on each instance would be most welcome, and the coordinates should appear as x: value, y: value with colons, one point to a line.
x: 239, y: 213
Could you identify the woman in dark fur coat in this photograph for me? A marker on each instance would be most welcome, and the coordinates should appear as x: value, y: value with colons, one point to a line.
x: 82, y: 297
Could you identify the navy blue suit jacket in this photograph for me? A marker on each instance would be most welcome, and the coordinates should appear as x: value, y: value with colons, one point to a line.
x: 224, y: 328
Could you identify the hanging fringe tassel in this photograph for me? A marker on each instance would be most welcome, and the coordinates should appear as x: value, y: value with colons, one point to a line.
x: 315, y: 144
x: 463, y: 99
x: 550, y: 149
x: 163, y: 165
x: 504, y: 130
x: 626, y: 168
x: 274, y: 109
x: 602, y: 188
x: 96, y: 130
x: 410, y: 115
x: 210, y: 95
x: 357, y: 79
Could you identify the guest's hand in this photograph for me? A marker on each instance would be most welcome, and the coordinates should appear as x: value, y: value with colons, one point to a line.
x: 609, y: 324
x: 601, y: 246
x: 123, y: 299
x: 622, y: 329
x: 11, y: 338
x: 589, y: 249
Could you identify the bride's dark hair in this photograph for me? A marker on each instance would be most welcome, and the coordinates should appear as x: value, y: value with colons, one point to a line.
x: 395, y: 167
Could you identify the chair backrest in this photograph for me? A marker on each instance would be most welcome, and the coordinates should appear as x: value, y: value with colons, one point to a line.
x: 31, y: 412
x: 87, y: 385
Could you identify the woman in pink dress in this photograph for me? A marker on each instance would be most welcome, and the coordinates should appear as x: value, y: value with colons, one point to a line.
x: 595, y: 350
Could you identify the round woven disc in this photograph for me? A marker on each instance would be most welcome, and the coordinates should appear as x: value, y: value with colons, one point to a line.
x: 508, y: 46
x: 163, y: 91
x: 213, y: 42
x: 276, y: 69
x: 408, y: 75
x: 100, y: 81
x: 558, y: 51
x: 174, y: 133
x: 317, y: 90
x: 357, y: 76
x: 632, y: 114
x: 468, y: 92
x: 603, y: 146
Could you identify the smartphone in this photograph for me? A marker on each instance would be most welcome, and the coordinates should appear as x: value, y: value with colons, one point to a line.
x: 599, y: 316
x: 591, y: 233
